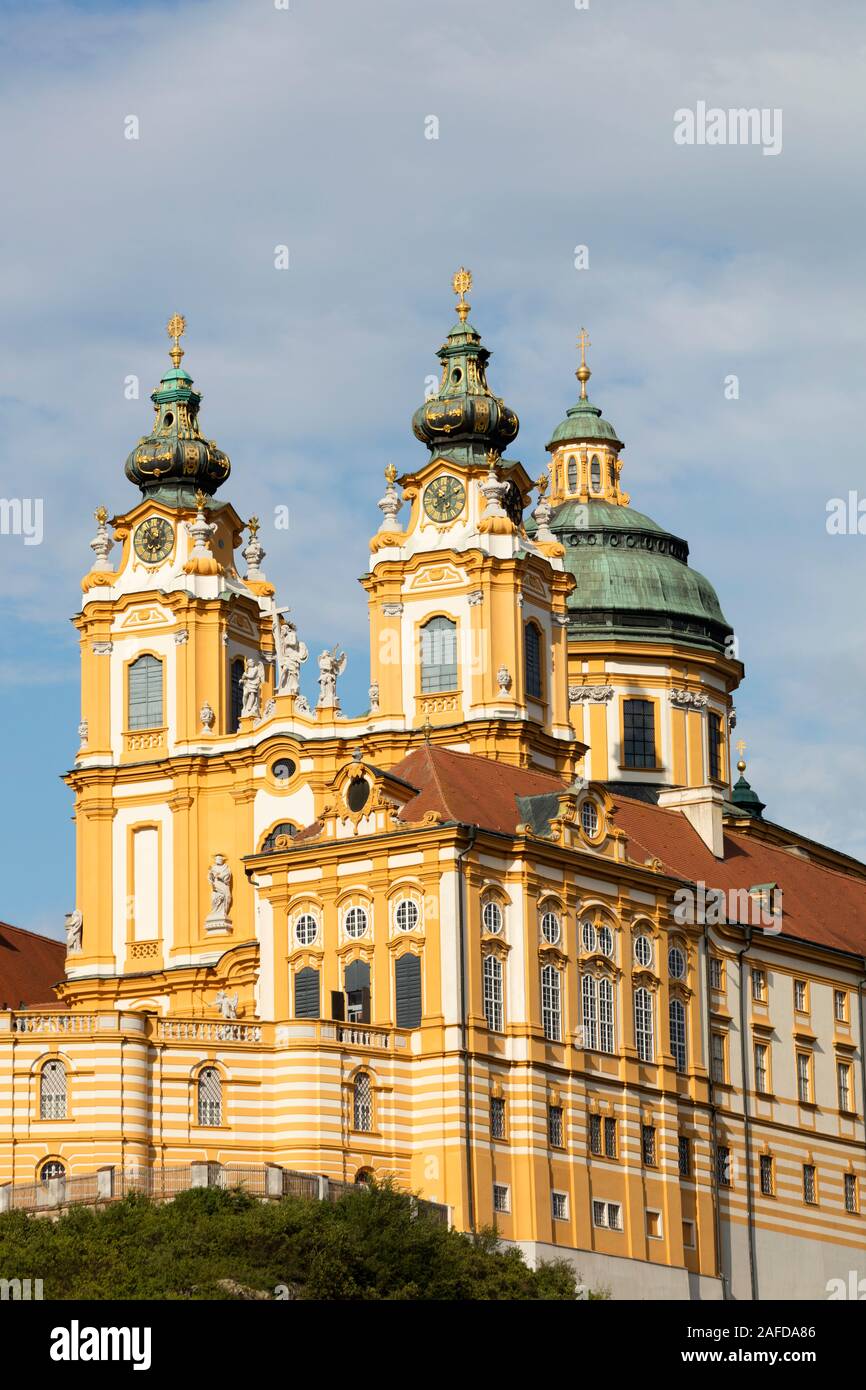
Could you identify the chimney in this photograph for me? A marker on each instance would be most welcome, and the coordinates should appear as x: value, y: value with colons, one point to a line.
x: 702, y: 808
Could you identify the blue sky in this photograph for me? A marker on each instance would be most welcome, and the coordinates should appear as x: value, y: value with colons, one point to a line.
x: 305, y: 127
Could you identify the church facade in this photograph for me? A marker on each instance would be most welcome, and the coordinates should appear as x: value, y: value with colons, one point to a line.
x: 516, y: 934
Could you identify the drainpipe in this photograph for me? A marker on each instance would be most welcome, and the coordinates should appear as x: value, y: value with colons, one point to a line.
x: 714, y: 1134
x: 464, y: 1028
x: 747, y: 1122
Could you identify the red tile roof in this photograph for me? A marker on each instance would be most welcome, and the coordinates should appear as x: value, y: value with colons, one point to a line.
x: 465, y: 787
x: 29, y: 966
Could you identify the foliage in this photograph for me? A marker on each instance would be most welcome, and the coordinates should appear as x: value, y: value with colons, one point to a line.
x: 209, y: 1243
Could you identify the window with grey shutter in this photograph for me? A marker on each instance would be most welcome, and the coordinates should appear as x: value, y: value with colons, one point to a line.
x: 307, y: 993
x: 407, y: 979
x: 145, y: 694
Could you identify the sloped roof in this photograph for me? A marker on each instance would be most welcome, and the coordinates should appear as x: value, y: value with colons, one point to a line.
x: 465, y: 787
x: 29, y: 966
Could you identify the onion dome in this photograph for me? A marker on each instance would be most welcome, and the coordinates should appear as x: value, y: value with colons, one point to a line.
x: 583, y: 421
x: 174, y: 461
x: 464, y: 420
x: 746, y: 800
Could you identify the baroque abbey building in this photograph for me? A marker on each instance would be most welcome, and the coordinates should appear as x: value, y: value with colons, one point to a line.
x: 519, y: 934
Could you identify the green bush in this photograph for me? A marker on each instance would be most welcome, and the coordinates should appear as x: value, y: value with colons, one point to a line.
x: 208, y: 1243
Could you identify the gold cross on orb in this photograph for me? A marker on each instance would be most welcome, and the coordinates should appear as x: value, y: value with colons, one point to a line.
x: 741, y: 746
x: 583, y: 373
x: 176, y: 328
x: 460, y: 283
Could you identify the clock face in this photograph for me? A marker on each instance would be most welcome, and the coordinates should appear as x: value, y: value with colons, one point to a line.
x: 513, y: 503
x: 444, y: 498
x: 153, y: 540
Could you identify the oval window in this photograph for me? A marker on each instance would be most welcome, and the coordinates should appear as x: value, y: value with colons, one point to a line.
x: 358, y: 794
x: 589, y: 938
x: 643, y: 950
x: 550, y: 928
x: 283, y: 769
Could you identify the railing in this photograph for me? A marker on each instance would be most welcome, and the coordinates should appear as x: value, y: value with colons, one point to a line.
x: 55, y: 1023
x: 191, y: 1030
x: 361, y: 1037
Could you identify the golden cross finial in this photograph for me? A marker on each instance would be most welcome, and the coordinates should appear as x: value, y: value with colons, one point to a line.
x: 176, y: 327
x: 741, y: 746
x: 460, y: 283
x: 583, y: 373
x: 253, y: 527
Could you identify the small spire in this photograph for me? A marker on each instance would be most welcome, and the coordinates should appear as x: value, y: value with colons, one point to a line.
x: 583, y: 373
x: 176, y: 328
x: 460, y: 283
x: 741, y: 748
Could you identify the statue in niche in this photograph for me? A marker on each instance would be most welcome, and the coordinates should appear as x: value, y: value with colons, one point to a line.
x: 219, y: 876
x: 74, y: 932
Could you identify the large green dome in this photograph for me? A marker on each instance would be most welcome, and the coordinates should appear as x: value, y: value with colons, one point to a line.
x: 633, y: 579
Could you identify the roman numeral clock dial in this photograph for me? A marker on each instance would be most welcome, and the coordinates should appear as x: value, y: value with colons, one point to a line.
x: 153, y: 540
x: 444, y: 498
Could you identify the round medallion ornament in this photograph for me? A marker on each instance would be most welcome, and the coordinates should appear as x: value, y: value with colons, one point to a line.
x: 444, y: 499
x: 153, y: 540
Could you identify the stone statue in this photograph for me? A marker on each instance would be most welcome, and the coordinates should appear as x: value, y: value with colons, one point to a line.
x: 374, y: 697
x: 291, y: 654
x: 219, y: 876
x: 331, y: 665
x: 74, y: 931
x: 227, y: 1004
x: 251, y: 685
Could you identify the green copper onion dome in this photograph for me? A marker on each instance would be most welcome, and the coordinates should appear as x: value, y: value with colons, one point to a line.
x: 174, y: 461
x: 746, y: 800
x: 464, y: 420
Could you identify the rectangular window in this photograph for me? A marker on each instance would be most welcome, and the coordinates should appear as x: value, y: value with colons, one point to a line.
x: 809, y: 1190
x: 654, y: 1225
x: 607, y: 1036
x: 144, y: 693
x: 559, y: 1206
x: 717, y: 979
x: 689, y: 1235
x: 643, y: 1024
x: 608, y: 1214
x: 501, y: 1198
x: 497, y: 1117
x: 684, y: 1156
x: 800, y: 997
x: 762, y: 1078
x: 840, y: 1005
x: 720, y: 1073
x: 492, y: 984
x: 554, y: 1126
x: 595, y: 1134
x: 648, y: 1145
x: 532, y: 651
x: 438, y: 656
x: 804, y: 1078
x: 551, y: 1008
x: 723, y: 1165
x: 610, y: 1138
x: 589, y: 996
x: 759, y: 986
x: 851, y: 1203
x: 766, y: 1165
x: 843, y: 1081
x: 677, y: 1013
x: 639, y: 733
x: 714, y: 735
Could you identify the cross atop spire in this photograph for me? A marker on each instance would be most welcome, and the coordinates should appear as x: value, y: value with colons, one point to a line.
x: 176, y: 328
x: 460, y: 283
x: 583, y: 373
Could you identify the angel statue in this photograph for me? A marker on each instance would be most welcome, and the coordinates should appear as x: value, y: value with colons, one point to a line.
x: 331, y: 665
x: 291, y: 654
x: 227, y: 1004
x: 219, y: 876
x: 251, y: 686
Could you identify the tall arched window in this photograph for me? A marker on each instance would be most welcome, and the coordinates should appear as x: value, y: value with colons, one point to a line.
x: 611, y: 474
x: 53, y: 1168
x: 307, y: 992
x: 492, y: 982
x: 532, y: 660
x: 643, y: 1024
x: 678, y: 1033
x: 572, y: 474
x: 210, y: 1097
x: 606, y: 1029
x: 144, y: 694
x: 52, y: 1092
x: 589, y: 994
x: 595, y: 474
x: 551, y: 1003
x: 362, y: 1103
x: 236, y: 702
x: 438, y: 655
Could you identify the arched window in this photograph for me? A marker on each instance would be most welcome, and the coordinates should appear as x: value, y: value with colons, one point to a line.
x: 643, y: 1024
x: 307, y: 993
x: 595, y: 474
x: 210, y: 1097
x: 611, y: 474
x: 606, y: 1029
x: 532, y: 659
x: 551, y: 1003
x: 438, y: 655
x: 236, y: 701
x: 285, y: 828
x: 589, y: 993
x: 52, y: 1169
x: 572, y: 474
x: 52, y: 1092
x: 492, y: 982
x: 362, y: 1103
x: 407, y: 990
x: 678, y: 1033
x: 144, y: 694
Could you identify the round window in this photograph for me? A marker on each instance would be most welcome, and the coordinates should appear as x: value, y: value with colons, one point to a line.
x: 492, y: 917
x: 358, y: 794
x: 605, y: 941
x: 589, y: 818
x: 643, y: 950
x: 676, y: 963
x: 283, y: 769
x: 168, y: 418
x: 306, y: 929
x: 356, y: 921
x: 406, y: 915
x: 589, y: 938
x: 550, y: 928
